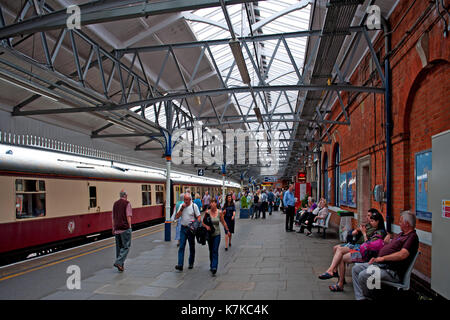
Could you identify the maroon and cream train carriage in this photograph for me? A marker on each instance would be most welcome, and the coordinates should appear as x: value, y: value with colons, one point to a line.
x: 48, y: 197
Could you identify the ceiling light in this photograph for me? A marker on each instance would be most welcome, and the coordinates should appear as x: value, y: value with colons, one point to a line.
x: 23, y: 86
x: 123, y: 126
x: 240, y: 61
x: 258, y: 114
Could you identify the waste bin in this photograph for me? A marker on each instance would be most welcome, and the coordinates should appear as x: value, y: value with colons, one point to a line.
x: 244, y: 213
x: 345, y: 225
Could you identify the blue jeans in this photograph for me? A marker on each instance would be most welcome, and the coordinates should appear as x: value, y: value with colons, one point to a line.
x: 186, y: 235
x: 213, y: 244
x: 123, y: 244
x: 178, y: 230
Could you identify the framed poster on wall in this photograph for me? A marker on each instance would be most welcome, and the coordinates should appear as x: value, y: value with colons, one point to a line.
x: 421, y: 171
x: 351, y: 189
x: 343, y: 188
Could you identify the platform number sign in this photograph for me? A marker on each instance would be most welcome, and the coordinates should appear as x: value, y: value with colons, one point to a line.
x: 201, y: 172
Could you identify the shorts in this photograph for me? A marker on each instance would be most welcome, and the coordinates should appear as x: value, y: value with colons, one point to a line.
x: 356, y: 256
x: 351, y: 246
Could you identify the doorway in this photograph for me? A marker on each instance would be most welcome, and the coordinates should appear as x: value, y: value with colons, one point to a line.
x: 363, y: 187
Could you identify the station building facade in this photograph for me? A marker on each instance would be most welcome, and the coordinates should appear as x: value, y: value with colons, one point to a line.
x: 356, y: 157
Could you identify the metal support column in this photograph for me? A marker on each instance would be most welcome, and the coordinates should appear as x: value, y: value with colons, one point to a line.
x: 168, y: 154
x: 168, y: 223
x: 223, y: 184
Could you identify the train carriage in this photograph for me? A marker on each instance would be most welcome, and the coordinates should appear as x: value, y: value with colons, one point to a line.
x: 47, y: 198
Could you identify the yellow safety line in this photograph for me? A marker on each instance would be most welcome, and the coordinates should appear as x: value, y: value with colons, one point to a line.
x: 69, y: 258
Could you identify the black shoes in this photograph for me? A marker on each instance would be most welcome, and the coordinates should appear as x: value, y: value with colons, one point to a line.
x: 191, y: 266
x: 180, y: 268
x: 119, y: 267
x: 213, y: 271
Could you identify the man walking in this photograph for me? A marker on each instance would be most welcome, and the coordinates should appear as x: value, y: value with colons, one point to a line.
x: 121, y: 228
x: 206, y: 200
x: 289, y: 204
x: 188, y: 212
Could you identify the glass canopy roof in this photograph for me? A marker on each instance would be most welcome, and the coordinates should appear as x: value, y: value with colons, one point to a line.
x: 269, y: 62
x: 274, y: 60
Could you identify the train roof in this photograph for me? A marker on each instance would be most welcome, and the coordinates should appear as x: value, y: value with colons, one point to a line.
x: 24, y: 160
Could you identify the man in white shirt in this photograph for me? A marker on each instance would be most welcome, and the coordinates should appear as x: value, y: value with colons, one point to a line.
x: 188, y: 212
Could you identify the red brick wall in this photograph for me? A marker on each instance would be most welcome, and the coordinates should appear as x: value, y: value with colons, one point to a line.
x: 420, y: 109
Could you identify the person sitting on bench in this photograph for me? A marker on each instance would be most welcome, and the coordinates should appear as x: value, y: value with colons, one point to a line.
x: 319, y: 214
x: 393, y: 259
x: 364, y: 253
x: 307, y: 212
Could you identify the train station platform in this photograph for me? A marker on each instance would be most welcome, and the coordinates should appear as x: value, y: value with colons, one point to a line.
x: 263, y: 263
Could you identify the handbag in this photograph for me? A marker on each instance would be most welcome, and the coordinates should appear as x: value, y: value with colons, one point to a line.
x: 194, y: 225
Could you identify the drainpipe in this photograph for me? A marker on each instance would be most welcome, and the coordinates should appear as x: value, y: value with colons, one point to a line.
x: 388, y: 121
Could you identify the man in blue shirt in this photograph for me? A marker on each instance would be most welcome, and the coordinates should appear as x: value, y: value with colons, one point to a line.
x: 271, y: 199
x: 289, y: 203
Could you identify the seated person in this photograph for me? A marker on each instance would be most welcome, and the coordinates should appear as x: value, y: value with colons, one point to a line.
x: 366, y: 251
x: 393, y: 259
x: 307, y: 211
x: 38, y: 210
x: 360, y: 237
x: 319, y: 215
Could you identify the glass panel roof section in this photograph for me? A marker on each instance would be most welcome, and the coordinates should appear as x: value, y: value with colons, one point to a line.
x: 270, y: 56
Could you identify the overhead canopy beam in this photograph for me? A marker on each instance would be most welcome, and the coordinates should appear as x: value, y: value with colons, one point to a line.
x: 125, y: 135
x: 105, y: 11
x: 256, y: 38
x: 214, y: 92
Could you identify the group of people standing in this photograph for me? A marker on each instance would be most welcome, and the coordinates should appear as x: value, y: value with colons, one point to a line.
x: 187, y: 211
x: 262, y: 201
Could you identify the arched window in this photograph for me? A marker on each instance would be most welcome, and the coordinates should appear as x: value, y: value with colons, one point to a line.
x: 337, y: 172
x: 325, y: 178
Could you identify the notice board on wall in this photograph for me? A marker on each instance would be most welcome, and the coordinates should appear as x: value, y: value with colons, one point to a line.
x: 343, y: 188
x: 351, y: 188
x: 422, y: 170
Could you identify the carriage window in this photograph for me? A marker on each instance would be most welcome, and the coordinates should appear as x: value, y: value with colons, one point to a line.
x: 92, y: 197
x: 146, y: 194
x: 30, y: 198
x: 159, y: 194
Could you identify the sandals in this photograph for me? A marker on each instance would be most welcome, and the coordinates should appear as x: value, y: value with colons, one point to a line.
x: 325, y: 276
x: 336, y: 288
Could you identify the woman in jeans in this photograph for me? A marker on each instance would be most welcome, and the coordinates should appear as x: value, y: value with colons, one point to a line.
x: 211, y: 221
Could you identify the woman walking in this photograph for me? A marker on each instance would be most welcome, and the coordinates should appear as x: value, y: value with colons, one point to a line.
x: 229, y: 212
x: 211, y: 220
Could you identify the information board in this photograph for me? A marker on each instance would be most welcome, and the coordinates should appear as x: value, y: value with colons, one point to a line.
x: 343, y: 188
x: 351, y: 189
x: 422, y: 168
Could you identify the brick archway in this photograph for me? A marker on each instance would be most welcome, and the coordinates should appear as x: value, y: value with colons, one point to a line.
x: 426, y: 114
